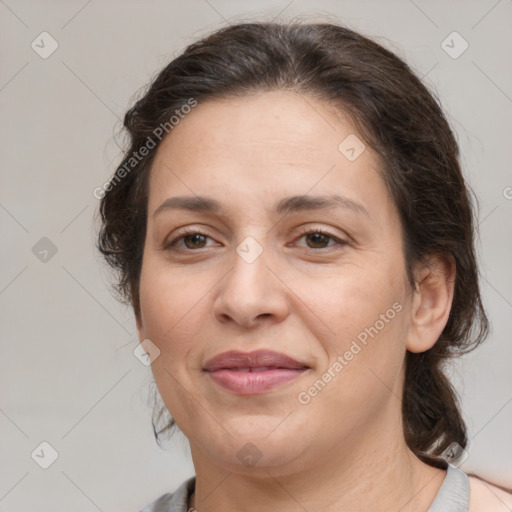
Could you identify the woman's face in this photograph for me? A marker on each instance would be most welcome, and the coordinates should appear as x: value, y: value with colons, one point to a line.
x: 337, y: 303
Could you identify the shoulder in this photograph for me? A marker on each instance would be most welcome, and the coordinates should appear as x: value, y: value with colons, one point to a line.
x: 159, y: 505
x: 487, y: 497
x: 173, y: 502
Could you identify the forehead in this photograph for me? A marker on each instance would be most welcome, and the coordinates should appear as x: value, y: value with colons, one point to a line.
x: 287, y: 125
x: 265, y: 144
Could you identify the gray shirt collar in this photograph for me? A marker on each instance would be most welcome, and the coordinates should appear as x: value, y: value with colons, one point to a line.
x: 175, y: 502
x: 453, y: 496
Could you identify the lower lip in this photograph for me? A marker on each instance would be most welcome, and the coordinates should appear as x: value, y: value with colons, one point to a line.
x: 253, y: 383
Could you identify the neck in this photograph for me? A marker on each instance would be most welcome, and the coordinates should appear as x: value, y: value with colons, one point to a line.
x: 376, y: 475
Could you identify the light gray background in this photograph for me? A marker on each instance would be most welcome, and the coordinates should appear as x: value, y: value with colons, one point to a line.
x: 68, y: 375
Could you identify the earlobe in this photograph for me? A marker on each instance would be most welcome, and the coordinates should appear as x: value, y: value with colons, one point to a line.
x: 432, y: 301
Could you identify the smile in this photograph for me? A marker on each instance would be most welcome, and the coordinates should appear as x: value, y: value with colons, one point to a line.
x: 254, y: 372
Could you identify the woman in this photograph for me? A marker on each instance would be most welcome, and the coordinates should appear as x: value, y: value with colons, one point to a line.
x: 294, y: 233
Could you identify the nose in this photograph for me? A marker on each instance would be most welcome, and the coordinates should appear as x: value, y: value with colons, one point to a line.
x: 251, y: 293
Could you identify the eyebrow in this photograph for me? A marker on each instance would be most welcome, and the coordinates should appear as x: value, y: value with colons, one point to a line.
x: 285, y: 206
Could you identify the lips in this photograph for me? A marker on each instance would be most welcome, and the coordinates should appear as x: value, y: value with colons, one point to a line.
x: 249, y: 373
x: 259, y: 360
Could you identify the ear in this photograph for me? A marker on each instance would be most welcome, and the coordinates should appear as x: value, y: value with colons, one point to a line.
x: 432, y: 301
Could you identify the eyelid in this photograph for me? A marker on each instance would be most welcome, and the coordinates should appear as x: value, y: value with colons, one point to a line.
x: 191, y: 230
x: 321, y: 230
x: 182, y: 233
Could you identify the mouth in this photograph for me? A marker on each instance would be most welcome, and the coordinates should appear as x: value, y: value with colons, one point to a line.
x: 251, y: 373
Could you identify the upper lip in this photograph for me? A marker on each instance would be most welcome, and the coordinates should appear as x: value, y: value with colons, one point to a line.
x: 256, y: 359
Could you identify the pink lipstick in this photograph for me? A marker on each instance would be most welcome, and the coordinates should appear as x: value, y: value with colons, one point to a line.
x: 251, y: 373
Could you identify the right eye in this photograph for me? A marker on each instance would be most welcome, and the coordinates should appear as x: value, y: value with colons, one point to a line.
x: 191, y: 238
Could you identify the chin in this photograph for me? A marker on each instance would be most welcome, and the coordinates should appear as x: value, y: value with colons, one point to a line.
x: 258, y: 427
x: 256, y: 442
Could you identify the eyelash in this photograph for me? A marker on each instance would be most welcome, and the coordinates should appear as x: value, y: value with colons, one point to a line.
x: 307, y: 231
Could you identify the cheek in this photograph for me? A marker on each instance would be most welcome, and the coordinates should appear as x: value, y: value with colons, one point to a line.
x: 365, y: 354
x: 347, y: 302
x: 171, y: 305
x: 361, y: 319
x: 170, y: 297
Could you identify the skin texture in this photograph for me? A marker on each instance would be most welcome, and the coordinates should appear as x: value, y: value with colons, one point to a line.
x: 486, y: 496
x: 344, y: 450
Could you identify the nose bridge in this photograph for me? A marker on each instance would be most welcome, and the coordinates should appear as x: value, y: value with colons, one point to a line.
x: 248, y: 279
x: 250, y: 290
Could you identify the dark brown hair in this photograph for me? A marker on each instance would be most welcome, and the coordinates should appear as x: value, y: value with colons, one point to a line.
x: 394, y: 113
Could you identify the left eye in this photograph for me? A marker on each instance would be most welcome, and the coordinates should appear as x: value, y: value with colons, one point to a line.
x: 320, y: 238
x: 316, y: 239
